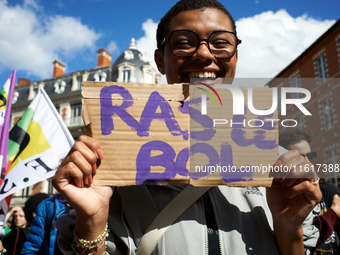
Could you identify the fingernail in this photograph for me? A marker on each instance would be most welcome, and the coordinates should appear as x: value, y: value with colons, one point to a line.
x: 278, y: 163
x: 100, y: 154
x: 78, y: 183
x: 90, y: 180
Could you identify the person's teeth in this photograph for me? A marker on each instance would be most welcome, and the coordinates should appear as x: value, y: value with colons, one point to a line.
x: 202, y: 75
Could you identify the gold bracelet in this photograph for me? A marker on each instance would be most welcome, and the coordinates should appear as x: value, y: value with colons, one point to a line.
x: 81, y: 246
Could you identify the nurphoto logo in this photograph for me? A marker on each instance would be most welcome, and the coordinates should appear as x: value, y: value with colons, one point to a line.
x: 238, y: 99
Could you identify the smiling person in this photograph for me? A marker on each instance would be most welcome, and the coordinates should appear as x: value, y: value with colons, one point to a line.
x: 182, y: 54
x: 196, y: 38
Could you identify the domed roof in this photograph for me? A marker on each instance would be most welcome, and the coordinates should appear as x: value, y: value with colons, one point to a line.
x: 132, y: 56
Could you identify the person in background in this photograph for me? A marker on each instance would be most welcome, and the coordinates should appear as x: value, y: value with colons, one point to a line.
x: 31, y: 205
x: 195, y: 38
x: 14, y: 240
x: 43, y: 234
x: 326, y: 214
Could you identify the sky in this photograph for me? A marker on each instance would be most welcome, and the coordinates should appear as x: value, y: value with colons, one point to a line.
x: 34, y: 33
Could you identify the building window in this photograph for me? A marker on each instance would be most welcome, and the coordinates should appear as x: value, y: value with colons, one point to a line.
x: 126, y: 74
x: 100, y: 76
x: 76, y: 110
x: 59, y: 86
x: 321, y: 68
x: 299, y: 120
x: 76, y: 118
x: 296, y: 84
x: 327, y: 114
x: 331, y: 159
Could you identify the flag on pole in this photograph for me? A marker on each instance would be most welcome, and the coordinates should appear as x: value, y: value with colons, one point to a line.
x: 37, y: 144
x: 6, y: 96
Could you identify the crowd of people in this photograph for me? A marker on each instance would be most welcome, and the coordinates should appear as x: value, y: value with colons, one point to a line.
x: 194, y: 37
x: 31, y: 229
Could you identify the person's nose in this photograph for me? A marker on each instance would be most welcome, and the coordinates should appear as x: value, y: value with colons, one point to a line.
x: 203, y: 53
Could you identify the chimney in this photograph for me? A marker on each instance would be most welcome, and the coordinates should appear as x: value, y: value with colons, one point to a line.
x: 23, y: 81
x: 104, y: 58
x: 58, y: 68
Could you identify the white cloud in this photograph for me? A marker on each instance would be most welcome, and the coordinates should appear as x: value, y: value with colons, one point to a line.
x: 31, y: 4
x: 147, y: 44
x: 112, y: 47
x: 67, y: 34
x: 31, y: 42
x: 271, y: 41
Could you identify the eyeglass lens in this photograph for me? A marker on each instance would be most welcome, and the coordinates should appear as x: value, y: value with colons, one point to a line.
x: 310, y: 155
x: 183, y: 43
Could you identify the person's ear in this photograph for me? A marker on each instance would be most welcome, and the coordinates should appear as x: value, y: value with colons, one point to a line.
x: 159, y: 59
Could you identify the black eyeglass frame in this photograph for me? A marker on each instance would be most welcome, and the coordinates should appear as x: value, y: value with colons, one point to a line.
x: 238, y: 41
x: 310, y: 155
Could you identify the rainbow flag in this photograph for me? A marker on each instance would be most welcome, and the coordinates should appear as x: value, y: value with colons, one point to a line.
x: 37, y: 144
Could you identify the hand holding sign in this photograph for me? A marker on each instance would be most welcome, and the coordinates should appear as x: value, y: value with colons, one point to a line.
x: 291, y: 198
x: 73, y: 180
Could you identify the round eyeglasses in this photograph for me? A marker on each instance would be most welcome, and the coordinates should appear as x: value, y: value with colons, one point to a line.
x: 184, y: 43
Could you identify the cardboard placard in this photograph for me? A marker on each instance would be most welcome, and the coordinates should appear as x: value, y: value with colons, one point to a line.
x: 144, y: 132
